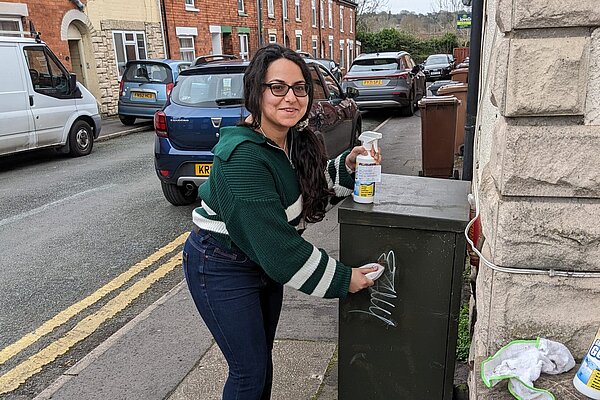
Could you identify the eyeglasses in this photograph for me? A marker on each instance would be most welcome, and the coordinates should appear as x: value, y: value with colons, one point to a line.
x: 281, y: 89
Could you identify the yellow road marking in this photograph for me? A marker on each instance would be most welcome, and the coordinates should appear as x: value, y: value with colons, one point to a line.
x: 34, y: 364
x: 62, y: 317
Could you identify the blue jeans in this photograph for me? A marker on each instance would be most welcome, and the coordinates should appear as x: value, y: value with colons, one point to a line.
x: 240, y: 305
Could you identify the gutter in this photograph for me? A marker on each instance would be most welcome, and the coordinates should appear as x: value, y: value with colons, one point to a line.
x: 473, y: 91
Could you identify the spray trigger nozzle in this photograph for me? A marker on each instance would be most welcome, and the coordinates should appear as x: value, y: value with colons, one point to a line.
x: 369, y: 139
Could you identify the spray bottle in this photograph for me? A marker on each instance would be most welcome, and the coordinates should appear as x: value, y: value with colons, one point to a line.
x: 587, y: 379
x: 367, y: 171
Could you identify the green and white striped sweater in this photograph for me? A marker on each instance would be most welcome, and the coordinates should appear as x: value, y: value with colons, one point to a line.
x: 252, y: 198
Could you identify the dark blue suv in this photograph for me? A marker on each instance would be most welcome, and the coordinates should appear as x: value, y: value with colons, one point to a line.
x: 210, y: 96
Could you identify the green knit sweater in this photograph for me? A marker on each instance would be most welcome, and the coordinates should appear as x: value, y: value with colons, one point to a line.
x: 252, y: 198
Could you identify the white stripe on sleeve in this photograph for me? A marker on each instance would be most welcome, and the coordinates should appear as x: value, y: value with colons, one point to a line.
x: 309, y: 267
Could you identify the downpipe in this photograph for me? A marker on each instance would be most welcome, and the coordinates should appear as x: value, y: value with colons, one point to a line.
x: 473, y: 91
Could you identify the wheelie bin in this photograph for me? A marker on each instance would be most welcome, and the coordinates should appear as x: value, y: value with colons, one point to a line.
x: 460, y: 74
x: 460, y: 92
x: 438, y: 126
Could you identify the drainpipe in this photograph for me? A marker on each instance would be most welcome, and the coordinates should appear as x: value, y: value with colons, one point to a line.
x: 163, y: 23
x: 473, y: 91
x: 283, y: 21
x: 162, y: 28
x: 260, y: 27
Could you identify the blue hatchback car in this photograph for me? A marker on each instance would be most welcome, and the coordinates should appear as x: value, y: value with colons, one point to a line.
x: 145, y: 87
x: 210, y: 96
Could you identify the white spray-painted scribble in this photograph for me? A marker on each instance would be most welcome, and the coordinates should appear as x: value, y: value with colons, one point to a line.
x: 383, y: 290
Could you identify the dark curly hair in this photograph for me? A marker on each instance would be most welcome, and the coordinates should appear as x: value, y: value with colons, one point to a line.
x: 307, y: 151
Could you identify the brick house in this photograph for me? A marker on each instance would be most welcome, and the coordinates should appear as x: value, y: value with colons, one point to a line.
x: 95, y: 38
x: 324, y: 28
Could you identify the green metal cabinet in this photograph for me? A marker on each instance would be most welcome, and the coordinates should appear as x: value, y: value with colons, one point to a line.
x: 397, y: 339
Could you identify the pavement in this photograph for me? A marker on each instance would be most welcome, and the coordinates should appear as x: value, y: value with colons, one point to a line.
x: 166, y: 352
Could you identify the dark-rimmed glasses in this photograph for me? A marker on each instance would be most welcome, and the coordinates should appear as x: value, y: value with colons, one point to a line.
x: 281, y: 89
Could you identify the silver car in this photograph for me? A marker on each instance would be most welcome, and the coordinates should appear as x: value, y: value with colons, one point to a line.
x: 390, y: 79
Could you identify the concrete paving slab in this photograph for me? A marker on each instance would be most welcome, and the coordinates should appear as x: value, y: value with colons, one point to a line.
x: 146, y: 359
x: 298, y: 372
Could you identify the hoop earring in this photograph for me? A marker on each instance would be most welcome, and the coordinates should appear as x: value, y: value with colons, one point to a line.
x: 301, y: 125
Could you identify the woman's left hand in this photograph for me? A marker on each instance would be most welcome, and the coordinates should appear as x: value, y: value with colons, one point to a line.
x: 358, y: 150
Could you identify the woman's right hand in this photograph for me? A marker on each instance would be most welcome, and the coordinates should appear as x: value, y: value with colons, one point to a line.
x: 358, y: 280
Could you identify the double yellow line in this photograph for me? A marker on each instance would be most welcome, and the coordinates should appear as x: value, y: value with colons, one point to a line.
x: 12, y: 379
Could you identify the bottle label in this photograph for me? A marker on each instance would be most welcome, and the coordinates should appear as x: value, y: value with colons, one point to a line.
x: 589, y: 372
x: 368, y: 173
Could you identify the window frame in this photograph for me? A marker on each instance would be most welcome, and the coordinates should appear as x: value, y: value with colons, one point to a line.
x: 313, y: 12
x: 272, y: 36
x: 124, y: 43
x: 241, y: 7
x: 315, y: 47
x: 51, y: 59
x: 330, y: 13
x: 351, y: 21
x: 341, y: 18
x: 298, y: 42
x: 18, y: 31
x: 297, y: 10
x: 284, y: 5
x: 183, y: 50
x: 270, y: 9
x: 244, y: 55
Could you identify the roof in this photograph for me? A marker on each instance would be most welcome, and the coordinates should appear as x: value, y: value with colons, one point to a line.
x: 13, y: 39
x: 382, y: 54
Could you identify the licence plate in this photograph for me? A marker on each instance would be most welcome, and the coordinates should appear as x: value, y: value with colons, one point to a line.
x: 373, y: 82
x: 142, y: 95
x: 203, y: 169
x: 435, y: 72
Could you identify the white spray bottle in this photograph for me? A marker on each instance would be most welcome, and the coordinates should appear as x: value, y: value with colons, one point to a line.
x: 367, y: 171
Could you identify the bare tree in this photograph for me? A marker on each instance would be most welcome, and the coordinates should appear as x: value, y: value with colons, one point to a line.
x: 447, y: 5
x: 370, y: 6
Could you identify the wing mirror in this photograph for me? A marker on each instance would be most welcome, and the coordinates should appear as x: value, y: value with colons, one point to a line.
x: 351, y: 92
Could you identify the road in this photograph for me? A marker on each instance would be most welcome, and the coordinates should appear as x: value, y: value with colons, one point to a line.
x: 87, y: 244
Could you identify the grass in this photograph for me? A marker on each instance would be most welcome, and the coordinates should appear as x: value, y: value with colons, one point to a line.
x: 464, y: 339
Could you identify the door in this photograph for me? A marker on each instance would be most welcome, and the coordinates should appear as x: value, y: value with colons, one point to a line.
x: 76, y: 54
x: 52, y: 101
x: 16, y: 119
x: 216, y: 43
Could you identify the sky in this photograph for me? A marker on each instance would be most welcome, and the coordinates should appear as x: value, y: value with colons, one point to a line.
x: 418, y: 6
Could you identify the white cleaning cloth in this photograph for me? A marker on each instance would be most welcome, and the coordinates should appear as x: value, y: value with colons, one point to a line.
x: 522, y: 361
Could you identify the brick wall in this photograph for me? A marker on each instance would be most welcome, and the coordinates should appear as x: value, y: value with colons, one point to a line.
x: 39, y: 12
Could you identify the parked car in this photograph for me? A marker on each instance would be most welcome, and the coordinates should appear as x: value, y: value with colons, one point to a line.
x: 145, y: 86
x: 332, y: 66
x: 41, y: 103
x: 211, y: 58
x: 390, y: 79
x: 438, y: 66
x: 210, y: 96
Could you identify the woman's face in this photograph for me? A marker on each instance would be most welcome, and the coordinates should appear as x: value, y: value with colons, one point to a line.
x: 281, y: 113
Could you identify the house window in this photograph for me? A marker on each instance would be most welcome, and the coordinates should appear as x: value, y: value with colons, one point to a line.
x: 298, y: 42
x: 190, y: 6
x: 350, y: 51
x: 272, y: 38
x: 331, y: 47
x: 128, y: 46
x: 351, y: 21
x: 186, y: 48
x: 329, y: 13
x: 11, y: 25
x: 342, y: 53
x: 244, y: 48
x: 322, y: 12
x: 314, y: 48
x: 313, y: 9
x: 341, y: 19
x: 241, y: 7
x: 284, y: 5
x: 270, y: 9
x: 297, y: 9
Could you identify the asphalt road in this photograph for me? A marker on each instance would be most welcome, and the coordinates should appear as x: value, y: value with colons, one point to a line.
x: 69, y: 227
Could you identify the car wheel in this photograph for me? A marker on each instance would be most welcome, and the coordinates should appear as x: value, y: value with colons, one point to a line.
x: 409, y: 110
x: 127, y: 120
x: 81, y: 139
x: 180, y: 195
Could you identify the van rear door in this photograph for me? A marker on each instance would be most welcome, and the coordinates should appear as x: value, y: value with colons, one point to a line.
x: 53, y: 100
x: 16, y: 119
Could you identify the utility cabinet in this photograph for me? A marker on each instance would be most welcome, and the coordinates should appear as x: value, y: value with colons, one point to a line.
x: 397, y: 339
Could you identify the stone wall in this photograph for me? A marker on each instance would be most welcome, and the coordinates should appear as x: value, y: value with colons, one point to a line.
x: 106, y: 62
x: 539, y: 186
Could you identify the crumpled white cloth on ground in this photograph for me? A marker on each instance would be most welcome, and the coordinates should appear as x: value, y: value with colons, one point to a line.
x: 522, y: 362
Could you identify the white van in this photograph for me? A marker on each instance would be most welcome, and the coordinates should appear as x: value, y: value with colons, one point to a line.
x: 41, y: 104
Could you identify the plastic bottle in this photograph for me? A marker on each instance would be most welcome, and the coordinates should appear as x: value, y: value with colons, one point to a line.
x: 367, y: 171
x: 587, y: 379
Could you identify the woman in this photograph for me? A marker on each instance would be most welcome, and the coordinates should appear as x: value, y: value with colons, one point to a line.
x: 268, y: 178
